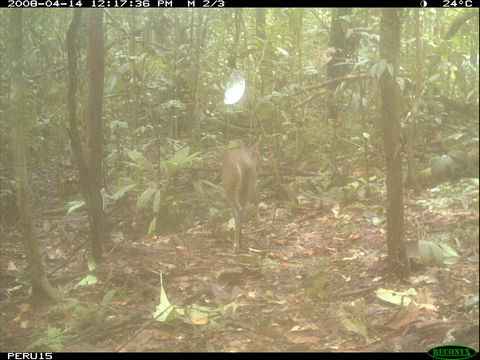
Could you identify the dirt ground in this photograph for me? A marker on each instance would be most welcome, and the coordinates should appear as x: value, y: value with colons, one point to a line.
x: 311, y: 281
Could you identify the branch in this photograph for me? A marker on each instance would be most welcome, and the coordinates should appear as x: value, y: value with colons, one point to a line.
x: 349, y: 77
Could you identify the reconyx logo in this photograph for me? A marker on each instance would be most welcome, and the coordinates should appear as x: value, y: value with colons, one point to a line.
x: 456, y: 352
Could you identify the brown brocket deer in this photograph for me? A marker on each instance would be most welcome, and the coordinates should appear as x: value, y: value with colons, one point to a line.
x: 240, y: 182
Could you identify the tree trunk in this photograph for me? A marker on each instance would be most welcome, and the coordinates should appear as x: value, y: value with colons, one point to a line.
x: 389, y: 93
x: 94, y: 130
x: 412, y: 178
x: 337, y: 40
x: 73, y: 133
x: 261, y: 33
x: 41, y: 288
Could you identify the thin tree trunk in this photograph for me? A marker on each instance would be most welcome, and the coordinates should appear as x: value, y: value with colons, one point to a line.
x: 410, y: 146
x: 41, y: 288
x: 337, y: 40
x: 389, y: 49
x: 72, y: 59
x: 261, y: 33
x: 94, y: 129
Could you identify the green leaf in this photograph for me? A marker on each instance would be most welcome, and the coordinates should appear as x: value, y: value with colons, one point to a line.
x: 122, y: 191
x: 231, y: 224
x: 52, y: 340
x: 353, y: 185
x: 153, y: 226
x: 381, y: 68
x: 390, y: 69
x: 193, y: 156
x: 74, y: 206
x: 403, y: 298
x: 91, y: 264
x: 157, y: 202
x: 436, y: 252
x: 355, y: 325
x: 145, y: 197
x: 141, y: 160
x: 450, y: 256
x: 90, y: 279
x: 169, y: 168
x: 424, y: 250
x: 108, y: 297
x: 181, y: 155
x: 164, y: 308
x: 439, y: 253
x: 197, y: 315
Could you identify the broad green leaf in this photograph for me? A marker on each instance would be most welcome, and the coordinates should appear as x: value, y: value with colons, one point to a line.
x: 141, y: 160
x: 157, y: 202
x: 390, y: 69
x: 164, y: 308
x: 181, y: 155
x: 424, y: 250
x: 193, y: 156
x: 436, y: 252
x: 382, y: 65
x: 91, y: 264
x: 108, y: 297
x: 145, y: 197
x: 450, y: 256
x: 439, y: 253
x: 227, y: 309
x: 88, y: 280
x: 198, y: 315
x: 355, y: 325
x: 122, y: 191
x: 231, y: 224
x: 74, y: 206
x: 169, y: 168
x: 403, y: 298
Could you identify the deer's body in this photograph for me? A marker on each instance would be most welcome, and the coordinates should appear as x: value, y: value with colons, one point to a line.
x: 240, y: 182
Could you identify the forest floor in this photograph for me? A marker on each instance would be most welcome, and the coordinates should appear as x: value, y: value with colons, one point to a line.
x: 313, y: 279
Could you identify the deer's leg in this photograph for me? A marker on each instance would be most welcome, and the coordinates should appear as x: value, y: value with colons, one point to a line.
x: 237, y: 215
